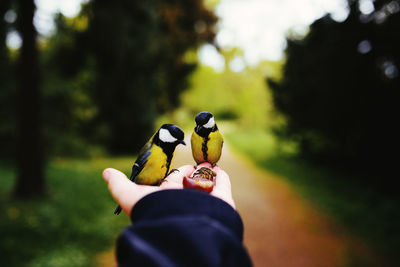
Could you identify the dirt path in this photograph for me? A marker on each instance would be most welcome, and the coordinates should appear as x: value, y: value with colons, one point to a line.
x: 281, y: 228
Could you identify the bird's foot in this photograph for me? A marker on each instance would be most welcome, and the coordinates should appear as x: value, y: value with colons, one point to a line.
x: 172, y: 171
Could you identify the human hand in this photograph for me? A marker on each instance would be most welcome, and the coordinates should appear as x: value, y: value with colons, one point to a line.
x: 222, y: 188
x: 127, y: 193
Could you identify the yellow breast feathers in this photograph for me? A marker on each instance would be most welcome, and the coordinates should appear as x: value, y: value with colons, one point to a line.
x: 207, y: 149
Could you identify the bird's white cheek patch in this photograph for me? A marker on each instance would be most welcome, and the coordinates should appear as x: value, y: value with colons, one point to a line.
x: 166, y: 137
x: 210, y: 123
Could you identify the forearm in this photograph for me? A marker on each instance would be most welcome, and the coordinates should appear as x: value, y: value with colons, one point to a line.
x: 183, y: 227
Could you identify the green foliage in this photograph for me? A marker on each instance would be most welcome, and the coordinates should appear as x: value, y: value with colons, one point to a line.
x: 68, y: 227
x: 108, y: 72
x: 340, y: 88
x: 260, y: 144
x: 238, y: 96
x: 70, y: 109
x: 138, y: 48
x: 358, y: 206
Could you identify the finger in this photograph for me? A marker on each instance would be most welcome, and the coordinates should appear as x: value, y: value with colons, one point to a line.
x: 175, y: 179
x: 125, y: 192
x: 222, y: 181
x: 222, y: 188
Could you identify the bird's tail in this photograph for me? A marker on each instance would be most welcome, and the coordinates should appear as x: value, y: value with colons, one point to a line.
x: 117, y: 210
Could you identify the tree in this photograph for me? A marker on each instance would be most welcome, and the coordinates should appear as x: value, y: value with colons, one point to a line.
x: 139, y: 48
x: 30, y: 177
x: 7, y: 90
x: 4, y: 58
x: 135, y: 54
x: 339, y: 91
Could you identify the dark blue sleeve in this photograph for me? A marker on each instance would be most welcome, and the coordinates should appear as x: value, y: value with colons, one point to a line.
x: 182, y: 228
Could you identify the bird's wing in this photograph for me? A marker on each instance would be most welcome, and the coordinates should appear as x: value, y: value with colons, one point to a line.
x: 141, y: 160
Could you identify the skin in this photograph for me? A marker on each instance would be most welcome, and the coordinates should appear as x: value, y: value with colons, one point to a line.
x: 127, y: 194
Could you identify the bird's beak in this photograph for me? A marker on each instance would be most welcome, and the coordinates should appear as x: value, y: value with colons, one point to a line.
x: 182, y: 142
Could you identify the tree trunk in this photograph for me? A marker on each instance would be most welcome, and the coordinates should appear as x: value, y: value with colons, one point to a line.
x: 30, y: 174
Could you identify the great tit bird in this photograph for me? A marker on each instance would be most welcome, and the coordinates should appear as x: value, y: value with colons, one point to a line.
x: 206, y: 139
x: 154, y: 159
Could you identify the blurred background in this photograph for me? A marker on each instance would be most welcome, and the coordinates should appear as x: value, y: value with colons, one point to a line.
x: 305, y: 92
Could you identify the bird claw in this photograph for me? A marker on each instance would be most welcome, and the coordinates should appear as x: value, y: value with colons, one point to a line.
x: 172, y: 171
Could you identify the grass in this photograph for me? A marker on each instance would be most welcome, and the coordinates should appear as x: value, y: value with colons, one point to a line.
x: 68, y: 227
x: 364, y: 211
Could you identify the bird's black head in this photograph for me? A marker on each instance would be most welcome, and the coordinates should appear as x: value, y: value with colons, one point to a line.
x: 205, y: 124
x: 203, y: 118
x: 169, y: 136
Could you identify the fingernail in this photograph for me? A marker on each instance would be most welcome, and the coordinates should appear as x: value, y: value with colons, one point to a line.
x: 107, y: 174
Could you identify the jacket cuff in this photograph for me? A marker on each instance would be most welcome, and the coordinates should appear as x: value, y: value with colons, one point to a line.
x: 182, y: 202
